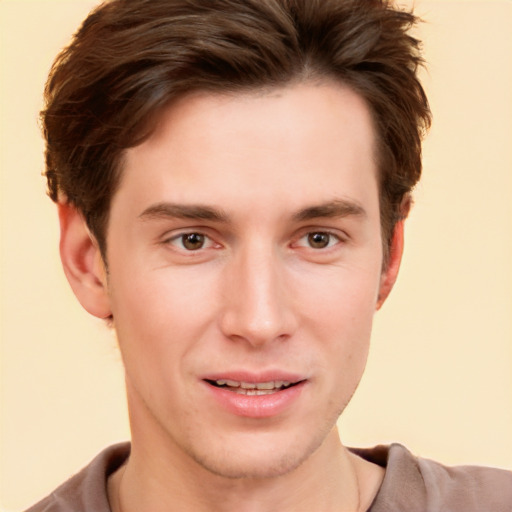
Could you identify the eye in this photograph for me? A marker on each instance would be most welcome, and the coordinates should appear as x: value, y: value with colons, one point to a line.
x: 191, y: 241
x: 319, y: 240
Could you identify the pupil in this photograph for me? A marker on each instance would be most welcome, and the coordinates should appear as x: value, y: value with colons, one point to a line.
x: 193, y: 241
x: 318, y: 240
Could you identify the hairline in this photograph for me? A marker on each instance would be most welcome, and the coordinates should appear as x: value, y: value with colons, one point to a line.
x: 308, y: 76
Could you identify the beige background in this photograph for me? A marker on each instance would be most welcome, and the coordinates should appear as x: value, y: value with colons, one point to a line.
x: 439, y: 376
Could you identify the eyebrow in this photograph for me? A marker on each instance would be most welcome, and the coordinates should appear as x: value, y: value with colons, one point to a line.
x: 330, y: 209
x: 183, y: 211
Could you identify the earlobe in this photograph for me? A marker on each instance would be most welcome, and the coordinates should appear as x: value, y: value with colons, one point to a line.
x: 82, y: 262
x: 390, y: 272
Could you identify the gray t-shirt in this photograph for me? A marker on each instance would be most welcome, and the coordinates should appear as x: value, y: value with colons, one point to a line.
x: 411, y: 484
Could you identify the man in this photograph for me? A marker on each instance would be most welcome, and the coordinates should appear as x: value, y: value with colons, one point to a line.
x: 232, y: 180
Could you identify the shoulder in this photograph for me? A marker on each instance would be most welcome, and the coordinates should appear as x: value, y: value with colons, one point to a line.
x: 471, y: 487
x: 416, y: 484
x: 87, y: 490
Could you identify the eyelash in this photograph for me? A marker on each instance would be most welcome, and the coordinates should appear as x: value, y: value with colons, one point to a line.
x: 333, y: 239
x: 180, y: 239
x: 206, y: 242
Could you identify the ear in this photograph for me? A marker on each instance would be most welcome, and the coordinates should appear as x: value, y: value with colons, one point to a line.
x: 390, y: 271
x: 82, y: 262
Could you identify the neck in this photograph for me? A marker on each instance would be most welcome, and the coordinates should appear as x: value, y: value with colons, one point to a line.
x: 331, y: 479
x: 163, y: 474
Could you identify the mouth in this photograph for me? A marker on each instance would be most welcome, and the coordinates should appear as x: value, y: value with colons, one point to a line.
x: 252, y: 388
x: 254, y: 395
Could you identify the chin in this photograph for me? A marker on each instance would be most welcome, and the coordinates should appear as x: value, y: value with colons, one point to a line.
x: 249, y: 468
x: 259, y: 459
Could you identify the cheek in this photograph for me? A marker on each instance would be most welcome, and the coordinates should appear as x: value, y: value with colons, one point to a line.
x: 162, y: 296
x: 340, y: 298
x: 339, y: 314
x: 158, y: 315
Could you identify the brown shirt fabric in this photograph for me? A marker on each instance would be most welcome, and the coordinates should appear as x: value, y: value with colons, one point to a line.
x: 414, y: 484
x: 411, y: 484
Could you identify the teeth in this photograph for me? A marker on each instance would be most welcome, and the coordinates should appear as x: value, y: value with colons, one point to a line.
x: 266, y: 385
x: 253, y: 386
x: 256, y: 391
x: 230, y: 383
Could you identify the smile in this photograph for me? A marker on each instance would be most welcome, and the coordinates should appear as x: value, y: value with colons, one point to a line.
x: 248, y: 395
x: 252, y: 388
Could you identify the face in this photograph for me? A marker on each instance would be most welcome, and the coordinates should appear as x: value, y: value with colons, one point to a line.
x: 244, y: 256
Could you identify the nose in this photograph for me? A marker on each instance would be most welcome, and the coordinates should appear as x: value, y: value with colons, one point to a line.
x: 258, y: 302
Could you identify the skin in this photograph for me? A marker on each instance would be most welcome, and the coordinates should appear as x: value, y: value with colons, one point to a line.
x: 279, y: 270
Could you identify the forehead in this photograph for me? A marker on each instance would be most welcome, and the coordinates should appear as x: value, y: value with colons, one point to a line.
x: 285, y: 145
x: 283, y: 113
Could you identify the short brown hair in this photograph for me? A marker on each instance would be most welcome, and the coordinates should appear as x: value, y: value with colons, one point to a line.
x: 130, y: 58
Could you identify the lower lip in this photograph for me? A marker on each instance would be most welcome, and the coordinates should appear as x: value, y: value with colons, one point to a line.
x: 256, y: 406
